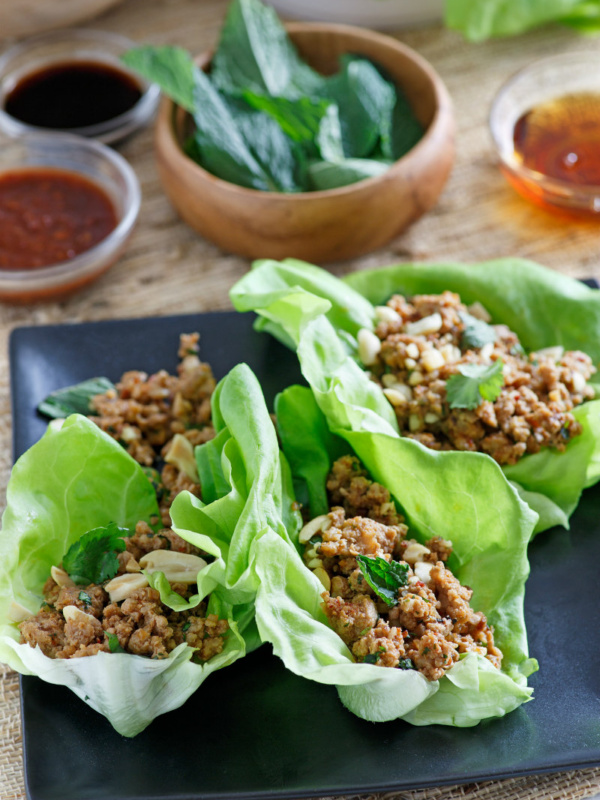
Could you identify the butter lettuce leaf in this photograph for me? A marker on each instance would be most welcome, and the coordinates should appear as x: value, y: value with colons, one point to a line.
x: 247, y: 490
x: 73, y: 480
x: 319, y: 316
x: 440, y: 493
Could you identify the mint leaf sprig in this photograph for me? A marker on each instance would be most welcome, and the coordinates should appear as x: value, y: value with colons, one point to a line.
x: 74, y: 399
x: 266, y: 120
x: 474, y: 384
x: 93, y: 557
x: 384, y: 577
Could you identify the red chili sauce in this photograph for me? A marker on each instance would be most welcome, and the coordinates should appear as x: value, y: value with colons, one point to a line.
x: 50, y: 215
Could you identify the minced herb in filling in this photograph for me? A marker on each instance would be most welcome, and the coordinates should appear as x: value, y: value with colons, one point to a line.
x: 391, y: 599
x: 457, y: 382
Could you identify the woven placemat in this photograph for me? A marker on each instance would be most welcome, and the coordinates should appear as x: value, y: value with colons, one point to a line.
x: 168, y: 269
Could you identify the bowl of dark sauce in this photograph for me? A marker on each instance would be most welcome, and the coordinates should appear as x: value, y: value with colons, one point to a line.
x: 73, y: 81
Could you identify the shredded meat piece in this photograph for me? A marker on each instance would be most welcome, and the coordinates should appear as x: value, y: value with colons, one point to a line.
x: 350, y: 619
x: 382, y: 645
x: 350, y: 488
x: 91, y: 599
x: 50, y: 591
x: 348, y: 538
x: 46, y: 630
x: 145, y: 541
x: 417, y: 606
x: 453, y: 598
x: 151, y: 627
x: 432, y: 654
x: 532, y: 411
x: 83, y: 637
x: 204, y: 633
x: 440, y: 549
x: 173, y: 482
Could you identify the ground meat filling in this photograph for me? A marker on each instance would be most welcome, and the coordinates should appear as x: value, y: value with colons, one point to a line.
x: 422, y: 344
x: 431, y: 622
x: 145, y: 412
x: 138, y: 624
x: 349, y: 487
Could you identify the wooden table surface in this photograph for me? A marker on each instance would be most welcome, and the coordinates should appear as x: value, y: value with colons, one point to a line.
x: 168, y: 269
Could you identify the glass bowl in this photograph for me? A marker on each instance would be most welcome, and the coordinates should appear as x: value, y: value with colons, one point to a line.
x: 106, y: 169
x: 547, y: 80
x: 83, y: 45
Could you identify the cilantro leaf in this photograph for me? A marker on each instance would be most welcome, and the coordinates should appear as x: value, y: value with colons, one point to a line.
x: 385, y: 578
x: 85, y: 599
x: 476, y: 333
x: 405, y: 663
x: 113, y: 643
x: 474, y: 384
x: 93, y: 558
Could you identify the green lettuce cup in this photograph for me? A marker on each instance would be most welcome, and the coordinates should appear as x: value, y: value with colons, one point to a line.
x: 466, y: 500
x: 320, y: 317
x: 247, y: 491
x: 74, y: 480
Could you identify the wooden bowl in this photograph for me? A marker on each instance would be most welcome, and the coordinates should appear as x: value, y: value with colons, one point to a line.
x: 327, y: 225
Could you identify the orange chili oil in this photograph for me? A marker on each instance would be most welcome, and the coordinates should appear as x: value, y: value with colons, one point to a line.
x: 50, y: 215
x: 72, y: 94
x: 561, y: 138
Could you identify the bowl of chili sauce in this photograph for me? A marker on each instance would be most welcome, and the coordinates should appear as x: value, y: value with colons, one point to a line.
x: 68, y: 206
x: 73, y: 81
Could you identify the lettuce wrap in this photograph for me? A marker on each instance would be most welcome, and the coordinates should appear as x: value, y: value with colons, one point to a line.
x: 319, y: 316
x: 439, y: 493
x: 77, y: 478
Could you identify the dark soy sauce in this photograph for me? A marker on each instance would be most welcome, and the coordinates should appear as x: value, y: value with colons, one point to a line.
x: 73, y: 94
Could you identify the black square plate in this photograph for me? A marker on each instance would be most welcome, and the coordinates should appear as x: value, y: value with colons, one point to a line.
x: 254, y: 730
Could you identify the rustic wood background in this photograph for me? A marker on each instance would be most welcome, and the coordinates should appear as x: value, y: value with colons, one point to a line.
x: 168, y: 269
